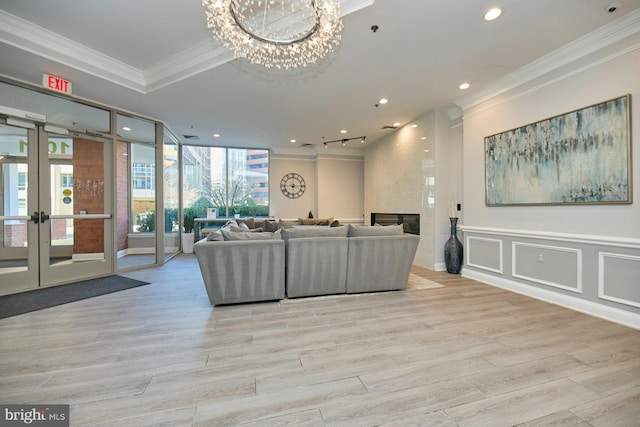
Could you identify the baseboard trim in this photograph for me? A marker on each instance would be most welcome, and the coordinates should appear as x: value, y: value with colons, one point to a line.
x: 605, y: 312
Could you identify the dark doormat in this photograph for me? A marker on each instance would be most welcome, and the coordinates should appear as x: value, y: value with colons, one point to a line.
x: 25, y: 302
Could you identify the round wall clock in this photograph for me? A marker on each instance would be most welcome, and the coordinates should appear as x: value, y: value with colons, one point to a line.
x: 292, y: 185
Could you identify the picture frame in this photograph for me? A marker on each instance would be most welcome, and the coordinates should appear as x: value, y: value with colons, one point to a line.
x: 582, y: 157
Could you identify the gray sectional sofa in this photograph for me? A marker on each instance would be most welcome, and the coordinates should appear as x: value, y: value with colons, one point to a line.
x: 245, y: 266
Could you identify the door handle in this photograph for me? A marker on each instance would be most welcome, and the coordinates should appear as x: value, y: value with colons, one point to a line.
x: 43, y: 217
x: 35, y: 217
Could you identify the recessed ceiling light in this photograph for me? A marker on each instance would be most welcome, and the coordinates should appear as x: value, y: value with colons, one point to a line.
x: 343, y: 131
x: 293, y: 141
x: 127, y: 128
x: 383, y: 101
x: 492, y: 14
x: 423, y: 138
x: 414, y: 125
x: 396, y: 124
x: 216, y: 135
x: 464, y: 86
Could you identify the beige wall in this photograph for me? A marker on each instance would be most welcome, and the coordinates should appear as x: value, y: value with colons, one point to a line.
x: 340, y: 187
x: 334, y: 184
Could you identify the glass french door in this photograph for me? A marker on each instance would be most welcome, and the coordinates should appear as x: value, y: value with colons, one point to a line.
x: 55, y: 220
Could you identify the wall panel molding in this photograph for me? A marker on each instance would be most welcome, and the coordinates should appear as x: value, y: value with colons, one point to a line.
x: 483, y: 245
x: 619, y: 278
x: 542, y: 269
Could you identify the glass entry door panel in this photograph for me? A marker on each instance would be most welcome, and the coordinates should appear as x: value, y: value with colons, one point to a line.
x: 76, y: 225
x: 18, y: 233
x: 55, y: 223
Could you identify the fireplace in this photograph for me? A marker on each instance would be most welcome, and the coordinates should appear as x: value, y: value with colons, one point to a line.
x: 410, y: 222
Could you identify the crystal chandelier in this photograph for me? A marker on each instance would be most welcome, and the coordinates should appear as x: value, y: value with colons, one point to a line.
x: 276, y: 33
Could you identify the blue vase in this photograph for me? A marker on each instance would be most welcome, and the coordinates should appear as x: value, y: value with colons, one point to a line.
x: 453, y: 250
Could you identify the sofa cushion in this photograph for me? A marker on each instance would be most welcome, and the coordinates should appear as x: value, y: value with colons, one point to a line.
x: 298, y: 233
x: 366, y: 230
x: 244, y: 235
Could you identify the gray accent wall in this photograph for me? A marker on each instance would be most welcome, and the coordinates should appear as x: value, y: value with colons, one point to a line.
x: 586, y: 257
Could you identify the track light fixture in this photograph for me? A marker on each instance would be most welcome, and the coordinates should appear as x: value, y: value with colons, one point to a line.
x: 344, y: 141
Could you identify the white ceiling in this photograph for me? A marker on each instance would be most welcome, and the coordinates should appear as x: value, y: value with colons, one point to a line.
x: 157, y: 58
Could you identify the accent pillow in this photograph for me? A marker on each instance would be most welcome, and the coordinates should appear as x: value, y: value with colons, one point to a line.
x: 243, y: 229
x: 288, y: 224
x: 297, y: 233
x: 233, y: 236
x: 215, y: 236
x: 227, y: 225
x: 315, y: 221
x: 366, y: 230
x: 249, y: 222
x: 271, y: 226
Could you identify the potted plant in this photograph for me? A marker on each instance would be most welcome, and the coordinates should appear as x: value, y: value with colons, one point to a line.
x: 187, y: 235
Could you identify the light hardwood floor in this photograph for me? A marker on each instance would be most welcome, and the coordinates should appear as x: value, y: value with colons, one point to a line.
x: 466, y: 354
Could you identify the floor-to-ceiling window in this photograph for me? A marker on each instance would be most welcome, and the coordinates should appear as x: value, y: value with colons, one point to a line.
x: 234, y: 181
x: 136, y: 192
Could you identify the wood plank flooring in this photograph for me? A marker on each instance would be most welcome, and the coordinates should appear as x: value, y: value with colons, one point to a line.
x: 465, y: 354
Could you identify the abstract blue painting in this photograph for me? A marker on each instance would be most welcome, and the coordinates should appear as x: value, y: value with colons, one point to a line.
x: 581, y: 157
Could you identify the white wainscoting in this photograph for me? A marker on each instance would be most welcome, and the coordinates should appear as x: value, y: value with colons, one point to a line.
x: 598, y: 275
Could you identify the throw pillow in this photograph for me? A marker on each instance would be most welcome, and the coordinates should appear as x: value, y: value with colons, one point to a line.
x: 215, y: 236
x: 365, y: 230
x: 228, y: 225
x: 271, y: 226
x: 288, y: 224
x: 315, y: 221
x: 249, y: 222
x: 244, y: 229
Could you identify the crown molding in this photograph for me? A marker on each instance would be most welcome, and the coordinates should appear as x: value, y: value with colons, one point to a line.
x: 205, y: 55
x: 604, y: 36
x: 32, y: 38
x: 208, y: 54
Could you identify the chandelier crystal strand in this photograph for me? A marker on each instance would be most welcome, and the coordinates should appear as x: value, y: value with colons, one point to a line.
x: 276, y: 33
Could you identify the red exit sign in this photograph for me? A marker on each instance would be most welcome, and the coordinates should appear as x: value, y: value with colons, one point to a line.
x: 56, y: 83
